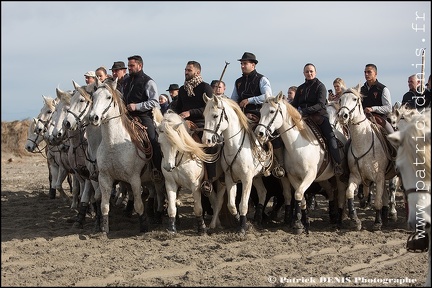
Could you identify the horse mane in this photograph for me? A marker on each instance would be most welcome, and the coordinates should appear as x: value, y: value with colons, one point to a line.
x: 177, y: 132
x: 50, y: 103
x: 411, y: 147
x: 124, y: 115
x: 243, y: 120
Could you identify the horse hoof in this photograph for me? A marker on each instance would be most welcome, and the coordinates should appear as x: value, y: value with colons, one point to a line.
x: 298, y: 231
x: 377, y: 226
x: 241, y: 232
x: 362, y: 203
x: 415, y: 244
x: 393, y: 217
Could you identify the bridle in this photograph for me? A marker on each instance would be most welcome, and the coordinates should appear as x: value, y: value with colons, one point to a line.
x: 267, y: 128
x: 217, y: 138
x: 350, y: 111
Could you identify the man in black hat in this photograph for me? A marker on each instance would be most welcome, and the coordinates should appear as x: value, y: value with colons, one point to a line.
x: 119, y: 71
x: 250, y: 92
x: 173, y: 90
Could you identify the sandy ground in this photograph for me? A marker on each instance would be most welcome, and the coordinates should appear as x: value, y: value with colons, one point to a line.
x: 40, y: 247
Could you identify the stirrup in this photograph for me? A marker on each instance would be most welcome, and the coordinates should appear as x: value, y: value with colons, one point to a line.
x: 206, y: 188
x: 278, y: 171
x: 157, y: 175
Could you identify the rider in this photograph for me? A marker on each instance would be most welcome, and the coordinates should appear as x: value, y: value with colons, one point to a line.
x: 249, y: 92
x: 140, y: 95
x: 310, y: 99
x: 376, y: 101
x: 191, y: 105
x: 376, y: 98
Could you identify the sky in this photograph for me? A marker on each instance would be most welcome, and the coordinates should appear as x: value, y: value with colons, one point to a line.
x: 47, y: 45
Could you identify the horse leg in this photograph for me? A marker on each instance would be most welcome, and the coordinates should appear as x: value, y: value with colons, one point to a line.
x: 217, y: 202
x: 59, y: 184
x: 171, y: 190
x: 380, y: 209
x: 352, y: 214
x: 243, y: 207
x: 85, y: 200
x: 341, y: 201
x: 138, y: 203
x: 105, y: 185
x: 262, y: 192
x: 54, y: 172
x: 278, y: 198
x: 78, y: 188
x: 392, y: 205
x: 160, y: 201
x: 333, y: 211
x: 198, y: 210
x: 300, y: 203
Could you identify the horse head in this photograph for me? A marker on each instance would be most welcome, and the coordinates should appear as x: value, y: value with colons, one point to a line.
x: 273, y: 112
x: 58, y: 133
x: 215, y: 118
x: 45, y: 115
x: 80, y: 104
x: 33, y: 138
x: 105, y: 97
x: 350, y: 105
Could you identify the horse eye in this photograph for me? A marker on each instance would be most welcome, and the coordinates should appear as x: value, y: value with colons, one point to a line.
x: 49, y: 112
x: 272, y: 111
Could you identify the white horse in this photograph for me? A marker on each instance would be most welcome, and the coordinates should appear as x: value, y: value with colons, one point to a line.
x: 183, y: 166
x: 75, y: 142
x: 369, y: 156
x: 414, y: 166
x: 243, y: 158
x: 56, y: 155
x: 306, y: 161
x: 401, y: 115
x: 121, y: 155
x: 76, y: 119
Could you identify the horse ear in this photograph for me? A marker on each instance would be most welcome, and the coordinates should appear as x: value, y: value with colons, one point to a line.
x: 176, y: 126
x: 205, y: 97
x: 395, y: 138
x: 279, y: 96
x: 357, y: 88
x: 75, y: 85
x: 98, y: 82
x: 59, y: 92
x: 114, y: 84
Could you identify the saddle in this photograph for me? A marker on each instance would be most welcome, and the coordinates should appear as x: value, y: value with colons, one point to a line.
x: 313, y: 123
x: 140, y: 138
x: 194, y: 131
x: 254, y: 120
x: 379, y: 127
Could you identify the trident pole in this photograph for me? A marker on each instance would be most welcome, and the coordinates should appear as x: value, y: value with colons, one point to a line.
x: 223, y: 72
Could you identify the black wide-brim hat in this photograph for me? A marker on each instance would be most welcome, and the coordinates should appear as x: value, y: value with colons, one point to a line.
x: 247, y: 56
x: 118, y: 65
x: 173, y: 87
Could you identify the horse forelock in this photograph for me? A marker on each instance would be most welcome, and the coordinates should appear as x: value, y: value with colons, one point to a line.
x: 83, y: 92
